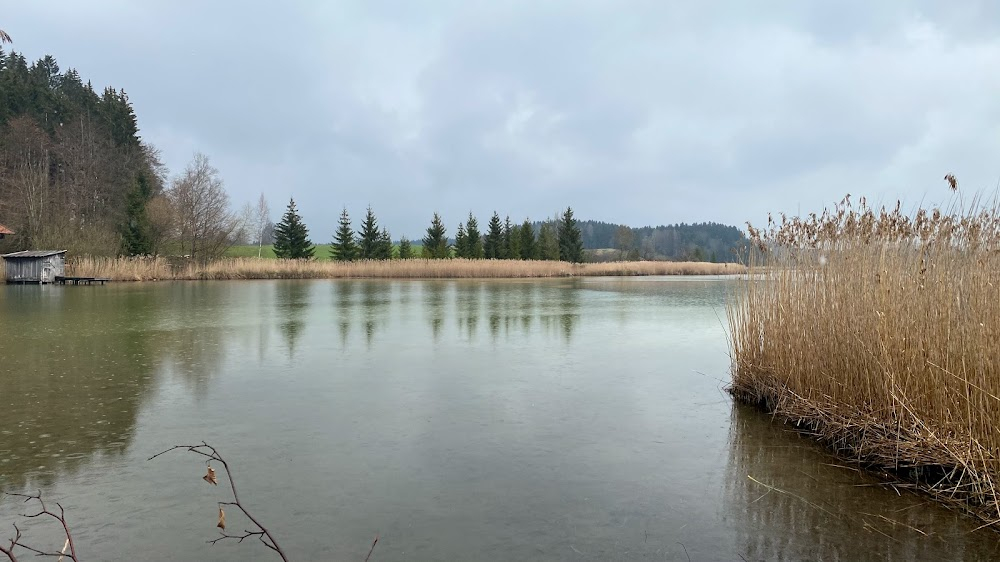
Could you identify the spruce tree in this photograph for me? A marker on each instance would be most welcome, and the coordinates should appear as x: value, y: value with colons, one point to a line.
x: 548, y: 244
x: 512, y: 240
x: 384, y: 246
x: 570, y: 238
x: 461, y: 242
x: 291, y: 237
x: 405, y: 249
x: 135, y: 229
x: 368, y: 237
x: 343, y: 247
x: 529, y: 247
x: 475, y: 239
x: 493, y: 242
x: 436, y: 241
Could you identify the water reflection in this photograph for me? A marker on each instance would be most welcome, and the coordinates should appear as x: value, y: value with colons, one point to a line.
x: 788, y: 500
x: 75, y: 373
x: 505, y: 309
x: 79, y: 362
x: 469, y: 302
x: 560, y: 313
x: 376, y: 300
x: 497, y: 309
x: 344, y: 302
x: 435, y: 306
x: 516, y: 420
x: 292, y: 297
x: 93, y: 356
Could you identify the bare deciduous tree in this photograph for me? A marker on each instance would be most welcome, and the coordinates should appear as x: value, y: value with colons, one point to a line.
x: 25, y: 156
x: 247, y: 219
x: 205, y: 225
x: 160, y: 213
x: 624, y: 240
x: 262, y: 219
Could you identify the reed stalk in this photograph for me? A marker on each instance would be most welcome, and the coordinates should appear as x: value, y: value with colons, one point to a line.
x: 877, y: 332
x: 146, y: 269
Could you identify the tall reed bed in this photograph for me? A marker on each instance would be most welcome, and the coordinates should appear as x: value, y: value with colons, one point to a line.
x: 142, y: 269
x: 879, y: 332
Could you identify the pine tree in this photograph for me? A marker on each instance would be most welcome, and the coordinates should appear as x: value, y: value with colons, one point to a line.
x: 475, y: 239
x: 529, y: 247
x: 384, y: 247
x: 436, y: 241
x: 570, y: 238
x: 548, y: 244
x: 135, y: 229
x: 405, y: 249
x: 291, y: 237
x: 511, y: 240
x: 493, y: 242
x: 368, y: 237
x: 461, y: 242
x: 343, y: 247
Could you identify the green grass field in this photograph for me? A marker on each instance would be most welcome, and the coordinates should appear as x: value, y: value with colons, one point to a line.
x: 266, y: 252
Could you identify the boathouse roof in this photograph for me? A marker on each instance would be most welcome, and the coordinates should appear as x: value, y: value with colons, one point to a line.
x: 33, y: 254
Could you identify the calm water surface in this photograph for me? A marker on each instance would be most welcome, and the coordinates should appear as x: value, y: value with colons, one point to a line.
x: 460, y: 420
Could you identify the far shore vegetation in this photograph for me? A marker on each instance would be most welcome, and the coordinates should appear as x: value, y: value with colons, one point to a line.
x: 79, y: 177
x: 152, y: 269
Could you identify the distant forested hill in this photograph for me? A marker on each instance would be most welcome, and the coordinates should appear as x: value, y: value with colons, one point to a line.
x: 706, y: 241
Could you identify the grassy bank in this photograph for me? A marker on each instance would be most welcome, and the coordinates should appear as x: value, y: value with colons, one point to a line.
x: 877, y: 332
x: 128, y: 269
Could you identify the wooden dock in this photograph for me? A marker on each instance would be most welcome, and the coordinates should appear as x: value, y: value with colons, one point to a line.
x: 63, y: 280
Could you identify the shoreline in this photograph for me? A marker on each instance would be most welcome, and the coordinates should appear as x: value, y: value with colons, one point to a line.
x: 161, y: 269
x: 932, y: 470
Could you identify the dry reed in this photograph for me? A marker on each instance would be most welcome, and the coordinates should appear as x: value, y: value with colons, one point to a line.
x: 145, y: 269
x: 877, y: 332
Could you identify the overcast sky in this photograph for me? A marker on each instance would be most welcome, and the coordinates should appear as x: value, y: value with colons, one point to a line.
x: 644, y: 112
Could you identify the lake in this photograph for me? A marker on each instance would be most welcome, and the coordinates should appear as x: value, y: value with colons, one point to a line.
x: 569, y: 419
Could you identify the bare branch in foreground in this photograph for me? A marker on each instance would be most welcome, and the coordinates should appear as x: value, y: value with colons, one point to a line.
x: 374, y: 542
x: 261, y: 532
x: 205, y: 450
x: 43, y: 510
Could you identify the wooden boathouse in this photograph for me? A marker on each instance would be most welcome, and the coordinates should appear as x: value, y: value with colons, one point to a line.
x: 35, y: 266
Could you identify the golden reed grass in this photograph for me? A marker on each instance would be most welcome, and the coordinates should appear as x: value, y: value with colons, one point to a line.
x: 145, y: 269
x: 878, y: 332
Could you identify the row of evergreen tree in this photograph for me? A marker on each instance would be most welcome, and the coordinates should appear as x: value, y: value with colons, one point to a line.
x: 555, y: 240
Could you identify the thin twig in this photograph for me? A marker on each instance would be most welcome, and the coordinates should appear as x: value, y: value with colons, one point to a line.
x: 265, y: 537
x: 685, y: 550
x: 43, y: 510
x: 374, y: 542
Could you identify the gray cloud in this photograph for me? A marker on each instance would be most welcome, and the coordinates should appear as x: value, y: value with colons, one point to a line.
x: 639, y: 112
